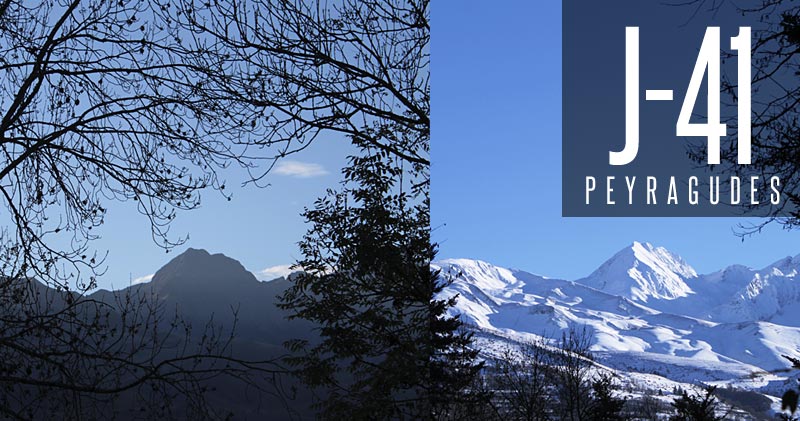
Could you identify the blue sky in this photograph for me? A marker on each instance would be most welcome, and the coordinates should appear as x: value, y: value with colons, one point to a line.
x: 260, y: 227
x: 496, y: 156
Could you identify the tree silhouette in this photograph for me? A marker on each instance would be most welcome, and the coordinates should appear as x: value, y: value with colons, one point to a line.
x: 775, y: 88
x: 358, y: 70
x: 549, y: 380
x: 137, y: 101
x: 145, y: 102
x: 301, y: 69
x: 524, y: 381
x: 63, y: 355
x: 696, y: 407
x: 96, y: 106
x: 388, y: 349
x: 605, y: 406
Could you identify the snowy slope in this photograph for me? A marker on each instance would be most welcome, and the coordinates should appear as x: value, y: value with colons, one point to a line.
x: 641, y: 272
x: 648, y: 312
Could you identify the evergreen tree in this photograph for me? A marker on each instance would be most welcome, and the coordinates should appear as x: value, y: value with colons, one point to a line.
x: 605, y: 405
x: 387, y: 349
x: 691, y: 407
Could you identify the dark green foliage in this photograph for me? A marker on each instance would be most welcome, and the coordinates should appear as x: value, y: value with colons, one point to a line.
x: 605, y: 405
x: 454, y: 383
x: 387, y: 350
x: 790, y: 27
x: 696, y: 407
x: 473, y: 404
x: 789, y: 401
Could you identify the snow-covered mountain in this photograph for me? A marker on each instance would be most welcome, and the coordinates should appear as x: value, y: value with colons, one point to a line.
x: 642, y: 272
x: 648, y: 311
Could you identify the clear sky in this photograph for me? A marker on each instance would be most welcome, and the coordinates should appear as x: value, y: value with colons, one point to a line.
x: 496, y: 156
x: 260, y: 227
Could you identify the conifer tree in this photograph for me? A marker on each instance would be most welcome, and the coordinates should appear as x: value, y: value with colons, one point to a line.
x: 387, y: 348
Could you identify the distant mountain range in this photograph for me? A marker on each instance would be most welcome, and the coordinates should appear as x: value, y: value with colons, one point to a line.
x: 201, y: 287
x: 653, y: 319
x: 649, y: 312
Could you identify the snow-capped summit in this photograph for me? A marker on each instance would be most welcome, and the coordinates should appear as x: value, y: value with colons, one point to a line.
x: 478, y: 273
x: 770, y: 294
x: 788, y: 266
x: 642, y: 272
x: 648, y: 313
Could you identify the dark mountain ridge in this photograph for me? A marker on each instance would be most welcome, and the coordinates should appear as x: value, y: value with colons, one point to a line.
x: 204, y: 289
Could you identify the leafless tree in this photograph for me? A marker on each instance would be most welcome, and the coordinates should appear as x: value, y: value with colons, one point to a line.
x: 100, y: 102
x: 775, y: 91
x: 350, y: 68
x: 573, y: 375
x: 647, y: 408
x: 95, y: 108
x: 553, y: 379
x: 145, y: 101
x: 63, y: 355
x: 309, y: 71
x: 523, y: 382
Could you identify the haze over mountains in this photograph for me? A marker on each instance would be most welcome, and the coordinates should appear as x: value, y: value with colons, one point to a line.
x: 648, y: 311
x: 205, y: 288
x: 203, y: 285
x: 653, y: 319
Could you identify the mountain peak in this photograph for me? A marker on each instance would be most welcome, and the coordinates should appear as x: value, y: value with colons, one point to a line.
x: 642, y: 271
x: 477, y: 272
x: 199, y: 269
x: 787, y: 266
x: 650, y: 254
x: 193, y: 252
